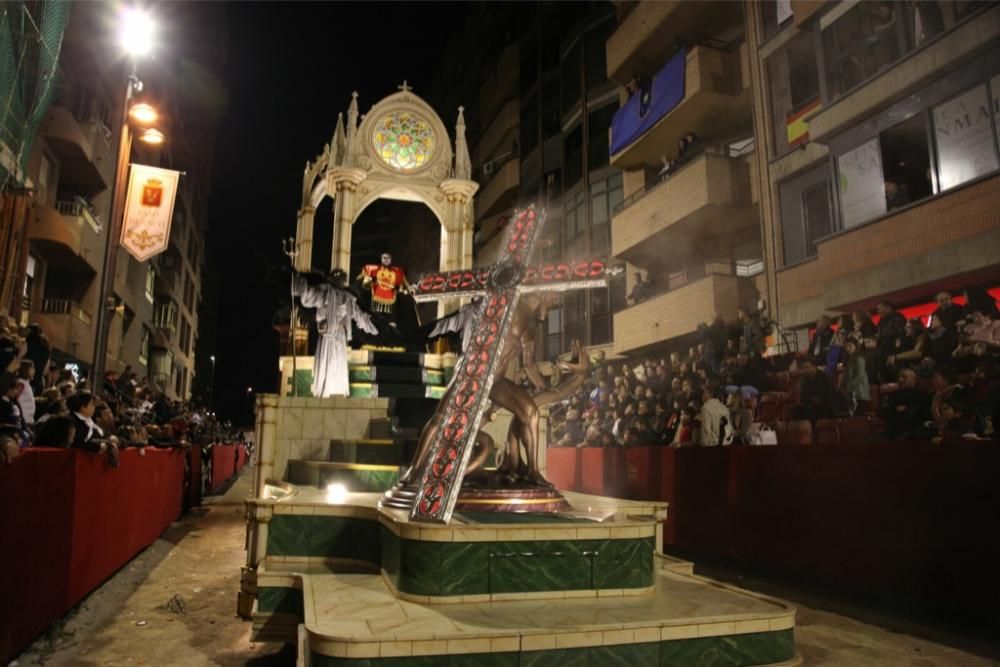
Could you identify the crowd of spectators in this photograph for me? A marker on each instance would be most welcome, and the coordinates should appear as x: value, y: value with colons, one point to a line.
x: 939, y: 383
x: 43, y: 405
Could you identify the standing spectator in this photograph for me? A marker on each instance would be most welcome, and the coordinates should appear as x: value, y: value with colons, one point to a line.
x: 39, y: 350
x: 687, y: 429
x: 906, y: 410
x: 10, y: 410
x: 819, y: 344
x: 56, y: 431
x: 855, y: 383
x: 863, y: 325
x: 716, y: 428
x: 891, y: 327
x: 739, y: 416
x: 25, y: 395
x: 640, y: 291
x: 751, y: 337
x: 949, y: 312
x: 89, y: 435
x: 815, y: 392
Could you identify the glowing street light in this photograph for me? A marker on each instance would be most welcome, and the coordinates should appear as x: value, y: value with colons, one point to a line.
x: 136, y: 31
x: 143, y: 113
x: 152, y: 136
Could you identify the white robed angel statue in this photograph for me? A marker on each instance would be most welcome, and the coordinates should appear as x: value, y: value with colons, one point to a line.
x: 335, y: 308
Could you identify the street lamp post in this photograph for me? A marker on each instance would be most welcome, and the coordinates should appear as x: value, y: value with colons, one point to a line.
x: 136, y: 32
x: 211, y: 386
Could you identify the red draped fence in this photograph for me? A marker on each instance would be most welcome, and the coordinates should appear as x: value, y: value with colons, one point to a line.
x: 904, y: 521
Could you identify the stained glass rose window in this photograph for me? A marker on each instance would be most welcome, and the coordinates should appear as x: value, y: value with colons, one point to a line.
x: 403, y: 140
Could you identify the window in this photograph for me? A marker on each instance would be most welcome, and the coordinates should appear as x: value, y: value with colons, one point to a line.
x: 575, y: 316
x: 605, y: 195
x: 150, y: 281
x: 862, y: 189
x: 529, y: 62
x: 773, y: 15
x: 29, y: 283
x: 806, y: 213
x: 573, y: 152
x: 553, y: 334
x: 595, y: 51
x: 570, y: 79
x: 551, y: 120
x: 529, y: 124
x: 404, y: 140
x: 906, y: 162
x: 793, y: 82
x: 46, y: 180
x: 598, y: 123
x: 861, y: 43
x: 964, y: 137
x: 144, y: 346
x: 600, y: 316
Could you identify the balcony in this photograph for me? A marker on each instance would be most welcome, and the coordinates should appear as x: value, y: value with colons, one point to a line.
x: 679, y: 312
x: 705, y: 204
x: 716, y: 106
x: 73, y: 143
x: 57, y: 234
x: 501, y: 82
x: 501, y: 190
x: 68, y: 326
x: 647, y: 35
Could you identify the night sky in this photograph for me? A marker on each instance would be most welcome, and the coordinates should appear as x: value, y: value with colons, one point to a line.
x: 290, y: 69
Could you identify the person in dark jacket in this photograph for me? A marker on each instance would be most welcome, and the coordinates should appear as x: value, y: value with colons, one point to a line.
x: 39, y: 350
x: 815, y: 393
x: 906, y: 410
x: 89, y: 436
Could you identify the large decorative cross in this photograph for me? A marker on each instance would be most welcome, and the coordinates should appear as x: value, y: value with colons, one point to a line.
x: 466, y: 400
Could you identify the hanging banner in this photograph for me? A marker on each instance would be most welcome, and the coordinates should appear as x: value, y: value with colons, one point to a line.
x: 149, y: 209
x: 862, y: 187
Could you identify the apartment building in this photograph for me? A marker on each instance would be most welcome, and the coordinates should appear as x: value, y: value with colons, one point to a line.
x: 688, y: 218
x: 545, y: 105
x: 876, y: 127
x: 153, y: 309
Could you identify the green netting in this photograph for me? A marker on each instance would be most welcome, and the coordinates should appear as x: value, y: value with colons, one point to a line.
x: 31, y: 36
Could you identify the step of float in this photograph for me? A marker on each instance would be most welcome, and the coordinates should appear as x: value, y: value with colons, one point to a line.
x: 396, y: 374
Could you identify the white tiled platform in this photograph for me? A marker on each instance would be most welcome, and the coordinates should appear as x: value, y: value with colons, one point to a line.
x: 357, y: 616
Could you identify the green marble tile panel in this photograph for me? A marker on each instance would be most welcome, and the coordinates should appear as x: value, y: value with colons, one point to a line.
x: 390, y: 554
x: 520, y: 517
x: 566, y: 657
x: 460, y: 660
x: 624, y: 564
x: 272, y: 599
x: 626, y: 655
x: 329, y: 536
x: 757, y: 648
x: 288, y: 535
x: 530, y: 574
x: 443, y: 568
x: 300, y: 384
x: 377, y: 481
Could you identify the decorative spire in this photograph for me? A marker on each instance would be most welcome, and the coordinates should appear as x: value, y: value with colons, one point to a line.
x: 405, y: 87
x: 339, y: 141
x: 352, y: 123
x: 463, y: 164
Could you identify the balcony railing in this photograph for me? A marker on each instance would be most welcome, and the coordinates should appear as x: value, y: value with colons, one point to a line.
x: 66, y: 307
x: 79, y: 207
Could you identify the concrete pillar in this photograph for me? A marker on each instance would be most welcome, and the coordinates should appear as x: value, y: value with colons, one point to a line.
x: 304, y: 237
x: 344, y: 181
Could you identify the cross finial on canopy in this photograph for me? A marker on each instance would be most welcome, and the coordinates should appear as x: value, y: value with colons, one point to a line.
x: 405, y: 87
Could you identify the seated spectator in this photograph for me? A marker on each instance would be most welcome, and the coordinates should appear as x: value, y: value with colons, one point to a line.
x: 815, y: 393
x: 978, y: 299
x: 56, y: 431
x: 749, y: 372
x: 10, y: 410
x: 912, y: 347
x: 39, y: 350
x: 906, y: 410
x: 942, y: 341
x: 89, y: 435
x: 25, y: 394
x: 855, y: 384
x: 891, y: 327
x: 955, y: 424
x: 688, y: 429
x: 10, y: 448
x: 716, y: 428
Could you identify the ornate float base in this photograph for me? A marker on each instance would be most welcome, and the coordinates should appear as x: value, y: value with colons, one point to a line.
x: 476, y: 498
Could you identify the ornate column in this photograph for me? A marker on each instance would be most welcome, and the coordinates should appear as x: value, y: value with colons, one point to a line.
x: 344, y: 181
x: 304, y: 236
x: 457, y: 235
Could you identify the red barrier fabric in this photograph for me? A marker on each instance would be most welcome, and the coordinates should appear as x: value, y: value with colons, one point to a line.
x: 223, y: 465
x: 69, y: 522
x: 562, y: 467
x: 911, y: 521
x: 119, y: 512
x: 241, y: 457
x: 193, y: 485
x: 36, y: 493
x: 642, y: 473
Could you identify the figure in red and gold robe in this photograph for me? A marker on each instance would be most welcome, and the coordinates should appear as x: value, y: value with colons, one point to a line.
x: 385, y: 281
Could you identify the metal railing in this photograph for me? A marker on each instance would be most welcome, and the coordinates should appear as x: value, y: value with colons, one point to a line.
x: 79, y: 207
x: 66, y: 307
